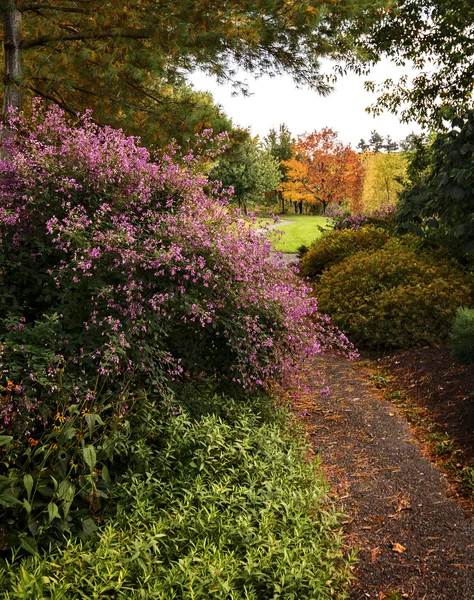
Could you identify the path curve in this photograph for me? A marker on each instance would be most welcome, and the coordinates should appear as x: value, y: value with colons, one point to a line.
x: 414, y: 539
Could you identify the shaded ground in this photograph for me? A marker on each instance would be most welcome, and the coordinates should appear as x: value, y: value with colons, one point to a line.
x: 415, y: 540
x: 442, y: 387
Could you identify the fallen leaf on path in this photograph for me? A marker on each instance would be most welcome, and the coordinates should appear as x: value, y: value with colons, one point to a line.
x: 398, y: 547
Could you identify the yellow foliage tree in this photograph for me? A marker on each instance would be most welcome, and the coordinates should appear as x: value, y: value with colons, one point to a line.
x: 384, y: 176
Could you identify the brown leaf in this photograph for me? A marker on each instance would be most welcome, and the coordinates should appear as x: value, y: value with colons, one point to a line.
x: 398, y: 547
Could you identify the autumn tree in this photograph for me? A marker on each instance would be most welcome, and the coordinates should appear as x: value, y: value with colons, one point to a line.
x: 385, y: 174
x: 122, y: 58
x: 323, y: 170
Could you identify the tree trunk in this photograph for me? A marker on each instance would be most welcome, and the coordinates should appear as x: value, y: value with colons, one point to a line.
x: 300, y: 206
x: 282, y: 200
x: 12, y: 18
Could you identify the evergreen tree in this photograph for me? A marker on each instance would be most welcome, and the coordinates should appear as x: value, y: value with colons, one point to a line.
x: 122, y: 58
x: 376, y: 142
x: 390, y: 145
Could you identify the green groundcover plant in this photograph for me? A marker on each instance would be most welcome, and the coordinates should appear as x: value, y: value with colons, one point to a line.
x: 223, y: 507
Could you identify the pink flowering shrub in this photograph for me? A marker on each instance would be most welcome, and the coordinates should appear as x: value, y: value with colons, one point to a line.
x: 140, y: 267
x: 124, y: 277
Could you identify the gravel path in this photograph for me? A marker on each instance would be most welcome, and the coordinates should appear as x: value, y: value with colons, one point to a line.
x: 415, y: 541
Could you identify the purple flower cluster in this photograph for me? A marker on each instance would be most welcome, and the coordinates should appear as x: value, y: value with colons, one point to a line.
x: 148, y: 271
x: 342, y: 219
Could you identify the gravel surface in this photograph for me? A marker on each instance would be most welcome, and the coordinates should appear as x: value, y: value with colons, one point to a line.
x: 415, y: 541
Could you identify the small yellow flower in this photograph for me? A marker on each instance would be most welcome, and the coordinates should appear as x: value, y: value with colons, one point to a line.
x: 84, y: 412
x: 11, y: 385
x: 59, y: 417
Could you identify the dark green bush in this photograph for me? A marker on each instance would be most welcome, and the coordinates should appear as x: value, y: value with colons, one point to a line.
x: 462, y: 335
x: 207, y: 510
x: 393, y: 297
x: 334, y: 246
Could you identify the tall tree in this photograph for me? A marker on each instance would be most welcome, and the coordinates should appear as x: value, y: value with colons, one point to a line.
x: 443, y: 198
x: 376, y: 143
x: 384, y: 179
x: 117, y: 57
x: 324, y: 170
x: 250, y: 170
x: 279, y: 145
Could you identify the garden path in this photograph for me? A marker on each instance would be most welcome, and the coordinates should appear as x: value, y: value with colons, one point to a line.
x: 416, y: 541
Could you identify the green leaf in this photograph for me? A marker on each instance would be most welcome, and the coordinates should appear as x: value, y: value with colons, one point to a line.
x: 5, y: 439
x: 28, y: 482
x: 29, y: 544
x: 66, y: 491
x: 88, y: 528
x: 106, y: 475
x: 53, y: 511
x: 90, y: 457
x: 27, y: 507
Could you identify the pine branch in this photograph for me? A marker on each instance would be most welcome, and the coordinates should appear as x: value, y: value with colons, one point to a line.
x: 47, y: 39
x: 39, y: 7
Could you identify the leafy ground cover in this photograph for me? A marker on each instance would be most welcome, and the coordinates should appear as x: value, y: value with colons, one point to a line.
x: 299, y: 230
x: 220, y: 507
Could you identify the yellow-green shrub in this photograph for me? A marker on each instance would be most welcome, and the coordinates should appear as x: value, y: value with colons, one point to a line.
x: 393, y: 297
x: 334, y: 246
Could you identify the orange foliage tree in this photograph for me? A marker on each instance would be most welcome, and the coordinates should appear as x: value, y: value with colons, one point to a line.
x: 323, y: 170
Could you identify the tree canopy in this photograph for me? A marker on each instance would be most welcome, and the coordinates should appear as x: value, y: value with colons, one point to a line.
x: 323, y: 170
x: 122, y: 59
x: 436, y: 37
x: 443, y: 199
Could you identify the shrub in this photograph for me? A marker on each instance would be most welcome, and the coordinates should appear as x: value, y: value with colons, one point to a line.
x: 145, y: 269
x: 124, y: 276
x: 393, y: 297
x: 462, y: 335
x: 208, y: 509
x: 341, y: 218
x: 334, y: 246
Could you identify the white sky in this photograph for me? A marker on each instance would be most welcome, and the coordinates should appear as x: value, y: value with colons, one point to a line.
x: 277, y: 100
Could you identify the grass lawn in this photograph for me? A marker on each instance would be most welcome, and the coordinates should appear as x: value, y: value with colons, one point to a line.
x: 301, y: 230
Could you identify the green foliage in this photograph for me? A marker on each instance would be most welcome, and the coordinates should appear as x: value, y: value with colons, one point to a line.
x: 462, y: 335
x: 434, y: 35
x: 334, y: 246
x: 444, y: 201
x: 280, y: 146
x: 128, y: 60
x: 393, y: 297
x: 250, y: 170
x: 56, y: 470
x: 212, y: 508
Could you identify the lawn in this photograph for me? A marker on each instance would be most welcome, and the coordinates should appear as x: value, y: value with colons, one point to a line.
x: 299, y: 230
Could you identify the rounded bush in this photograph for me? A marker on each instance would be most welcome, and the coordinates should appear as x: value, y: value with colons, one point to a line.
x: 335, y: 246
x: 393, y: 297
x: 462, y: 335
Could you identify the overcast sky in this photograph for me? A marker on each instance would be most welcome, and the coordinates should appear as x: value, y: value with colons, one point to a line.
x: 277, y: 100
